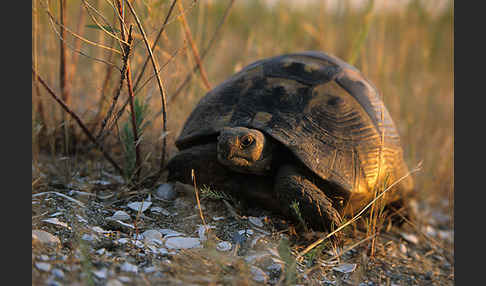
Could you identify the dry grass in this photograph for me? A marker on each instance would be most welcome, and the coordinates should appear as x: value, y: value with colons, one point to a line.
x: 407, y: 53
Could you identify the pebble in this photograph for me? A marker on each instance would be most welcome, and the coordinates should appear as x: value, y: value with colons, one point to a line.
x: 255, y: 221
x: 113, y: 282
x: 101, y: 251
x: 101, y: 274
x: 43, y: 237
x: 224, y: 246
x: 56, y: 221
x: 182, y: 242
x: 166, y: 192
x: 170, y: 233
x: 124, y: 279
x: 345, y: 268
x: 201, y: 231
x: 128, y: 267
x: 43, y: 266
x: 403, y: 248
x: 120, y: 215
x: 410, y: 237
x: 160, y: 210
x: 137, y: 205
x: 258, y: 274
x: 58, y: 273
x: 152, y: 236
x: 118, y: 224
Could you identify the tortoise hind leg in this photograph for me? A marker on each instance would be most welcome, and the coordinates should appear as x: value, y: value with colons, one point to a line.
x: 315, y: 207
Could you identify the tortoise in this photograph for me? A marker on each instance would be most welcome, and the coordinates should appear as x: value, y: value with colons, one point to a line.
x: 303, y: 127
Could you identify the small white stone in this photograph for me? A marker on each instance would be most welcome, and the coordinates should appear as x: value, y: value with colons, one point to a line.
x: 345, y: 268
x: 100, y: 251
x: 43, y: 266
x: 44, y: 237
x: 247, y: 232
x: 101, y: 274
x: 136, y: 206
x: 160, y: 210
x: 152, y: 234
x: 224, y: 246
x: 403, y: 248
x: 124, y: 279
x: 123, y: 240
x: 166, y: 192
x: 258, y: 274
x: 182, y: 242
x: 113, y: 282
x: 120, y: 215
x: 170, y: 233
x: 255, y: 221
x: 58, y: 273
x: 128, y: 267
x: 410, y: 237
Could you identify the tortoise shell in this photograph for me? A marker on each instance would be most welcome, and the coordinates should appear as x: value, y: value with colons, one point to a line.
x: 319, y: 107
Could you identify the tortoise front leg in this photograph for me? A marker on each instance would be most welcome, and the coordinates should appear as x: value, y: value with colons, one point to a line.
x: 316, y: 208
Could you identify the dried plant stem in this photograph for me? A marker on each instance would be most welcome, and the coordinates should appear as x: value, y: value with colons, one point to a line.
x: 354, y: 218
x: 133, y: 118
x: 78, y: 120
x: 195, y: 52
x: 123, y: 74
x: 63, y: 74
x: 193, y: 176
x: 77, y: 45
x: 159, y: 82
x: 204, y: 53
x: 139, y: 77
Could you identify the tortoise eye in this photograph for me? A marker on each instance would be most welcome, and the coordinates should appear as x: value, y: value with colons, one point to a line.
x: 246, y: 141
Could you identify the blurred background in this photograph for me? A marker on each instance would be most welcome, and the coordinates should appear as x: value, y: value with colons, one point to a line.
x: 404, y: 47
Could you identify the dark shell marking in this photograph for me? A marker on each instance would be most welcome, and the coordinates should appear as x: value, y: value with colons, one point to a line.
x: 320, y: 108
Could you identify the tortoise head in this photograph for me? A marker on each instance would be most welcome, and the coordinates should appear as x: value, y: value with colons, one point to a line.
x: 245, y: 150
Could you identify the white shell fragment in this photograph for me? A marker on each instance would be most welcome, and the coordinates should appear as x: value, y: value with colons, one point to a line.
x: 345, y: 268
x: 182, y: 242
x: 136, y: 206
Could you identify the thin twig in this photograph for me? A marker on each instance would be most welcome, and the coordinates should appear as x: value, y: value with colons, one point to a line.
x: 195, y: 52
x: 125, y: 104
x: 139, y: 77
x: 78, y: 36
x: 134, y: 120
x: 204, y: 53
x: 61, y: 195
x: 78, y: 120
x: 198, y: 201
x: 53, y: 24
x: 126, y: 53
x: 86, y: 5
x: 159, y: 82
